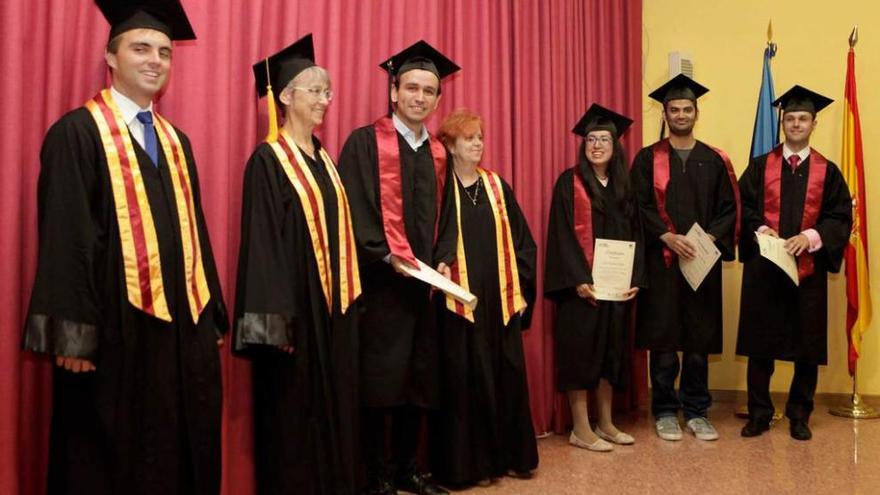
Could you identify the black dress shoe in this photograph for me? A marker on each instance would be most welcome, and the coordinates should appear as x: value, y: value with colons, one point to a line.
x: 754, y: 428
x: 800, y: 430
x: 418, y: 484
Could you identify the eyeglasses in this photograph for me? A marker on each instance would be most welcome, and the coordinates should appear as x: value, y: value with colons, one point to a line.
x: 603, y: 140
x: 317, y: 93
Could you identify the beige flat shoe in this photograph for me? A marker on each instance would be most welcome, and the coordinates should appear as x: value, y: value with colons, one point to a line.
x: 598, y: 446
x: 620, y: 439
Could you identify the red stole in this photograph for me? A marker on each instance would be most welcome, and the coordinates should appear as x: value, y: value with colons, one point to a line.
x: 812, y: 200
x: 390, y: 188
x: 660, y: 150
x: 583, y: 216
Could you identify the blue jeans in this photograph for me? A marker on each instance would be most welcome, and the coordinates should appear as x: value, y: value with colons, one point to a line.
x: 693, y: 396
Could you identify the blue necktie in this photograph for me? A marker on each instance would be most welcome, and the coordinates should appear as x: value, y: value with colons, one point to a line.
x: 146, y: 118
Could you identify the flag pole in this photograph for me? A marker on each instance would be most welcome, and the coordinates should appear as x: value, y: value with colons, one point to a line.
x: 855, y: 408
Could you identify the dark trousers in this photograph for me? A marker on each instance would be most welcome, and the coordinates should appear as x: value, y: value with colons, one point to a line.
x: 405, y: 424
x: 800, y: 395
x: 693, y: 396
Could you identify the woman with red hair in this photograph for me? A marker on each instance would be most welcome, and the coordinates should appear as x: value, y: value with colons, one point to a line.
x: 483, y: 429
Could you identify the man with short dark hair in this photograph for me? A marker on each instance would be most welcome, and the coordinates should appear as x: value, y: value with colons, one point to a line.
x: 126, y: 296
x: 397, y: 181
x: 678, y: 182
x: 796, y: 194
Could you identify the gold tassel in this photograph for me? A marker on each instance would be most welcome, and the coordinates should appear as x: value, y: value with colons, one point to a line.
x: 272, y: 135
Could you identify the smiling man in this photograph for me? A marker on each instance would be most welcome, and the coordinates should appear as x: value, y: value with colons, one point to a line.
x: 399, y: 189
x: 126, y: 297
x: 795, y: 194
x: 678, y: 182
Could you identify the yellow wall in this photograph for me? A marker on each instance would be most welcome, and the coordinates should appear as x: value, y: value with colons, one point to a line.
x: 726, y: 40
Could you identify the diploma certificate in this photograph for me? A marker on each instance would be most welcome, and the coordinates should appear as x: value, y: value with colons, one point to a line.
x: 696, y: 269
x: 431, y: 276
x: 612, y: 269
x: 773, y: 248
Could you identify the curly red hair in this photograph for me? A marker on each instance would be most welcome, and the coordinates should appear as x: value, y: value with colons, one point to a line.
x: 461, y: 122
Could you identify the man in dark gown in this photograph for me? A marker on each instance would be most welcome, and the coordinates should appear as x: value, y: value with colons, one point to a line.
x: 126, y: 295
x: 792, y: 193
x: 678, y: 182
x: 304, y: 350
x: 404, y: 216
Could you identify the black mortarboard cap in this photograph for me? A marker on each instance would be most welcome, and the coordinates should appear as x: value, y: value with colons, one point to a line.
x: 602, y: 119
x: 420, y: 55
x: 166, y: 16
x: 799, y: 98
x: 285, y: 65
x: 680, y: 87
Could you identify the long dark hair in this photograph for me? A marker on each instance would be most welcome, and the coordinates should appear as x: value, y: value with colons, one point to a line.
x: 618, y: 174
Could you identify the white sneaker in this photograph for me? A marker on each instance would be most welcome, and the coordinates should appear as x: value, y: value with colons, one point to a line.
x: 668, y: 428
x: 702, y: 429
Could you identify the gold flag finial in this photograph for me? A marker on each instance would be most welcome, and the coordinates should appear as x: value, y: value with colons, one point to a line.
x: 770, y: 31
x: 854, y: 37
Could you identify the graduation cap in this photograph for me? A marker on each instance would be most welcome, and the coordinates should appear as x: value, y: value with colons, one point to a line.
x: 801, y: 99
x: 680, y: 87
x: 599, y: 118
x: 166, y: 16
x: 420, y: 55
x: 278, y: 70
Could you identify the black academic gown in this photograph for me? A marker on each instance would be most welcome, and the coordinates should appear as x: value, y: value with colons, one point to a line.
x: 670, y: 315
x: 148, y: 419
x: 592, y: 342
x: 483, y: 427
x: 779, y: 320
x: 305, y: 404
x: 398, y: 344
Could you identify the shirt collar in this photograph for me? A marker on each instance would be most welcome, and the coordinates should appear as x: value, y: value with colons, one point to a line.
x: 802, y: 154
x: 127, y: 106
x: 408, y: 134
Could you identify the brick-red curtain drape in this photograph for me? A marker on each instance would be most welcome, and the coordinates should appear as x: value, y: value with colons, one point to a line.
x: 530, y: 68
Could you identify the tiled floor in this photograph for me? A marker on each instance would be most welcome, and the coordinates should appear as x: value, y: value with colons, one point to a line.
x: 842, y: 458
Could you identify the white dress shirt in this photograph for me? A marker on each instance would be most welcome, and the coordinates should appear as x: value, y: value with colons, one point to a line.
x: 414, y: 142
x: 129, y: 110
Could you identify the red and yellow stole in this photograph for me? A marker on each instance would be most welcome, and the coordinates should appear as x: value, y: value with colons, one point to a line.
x: 312, y: 201
x: 137, y: 232
x: 661, y: 182
x: 583, y: 217
x: 812, y: 200
x: 512, y: 301
x: 390, y: 188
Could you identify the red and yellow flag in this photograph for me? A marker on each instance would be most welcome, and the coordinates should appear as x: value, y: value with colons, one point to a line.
x: 858, y: 311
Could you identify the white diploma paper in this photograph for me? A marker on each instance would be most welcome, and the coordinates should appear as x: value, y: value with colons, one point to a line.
x: 612, y: 268
x: 696, y: 269
x: 773, y: 248
x: 431, y: 276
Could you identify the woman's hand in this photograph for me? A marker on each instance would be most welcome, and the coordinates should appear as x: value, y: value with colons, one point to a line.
x: 586, y: 291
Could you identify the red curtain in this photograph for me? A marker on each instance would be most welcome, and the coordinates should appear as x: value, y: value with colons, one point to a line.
x: 530, y: 68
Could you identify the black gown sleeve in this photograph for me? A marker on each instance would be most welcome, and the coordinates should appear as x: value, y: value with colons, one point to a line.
x: 359, y: 171
x: 835, y: 219
x: 64, y: 314
x: 642, y: 179
x: 218, y: 310
x: 723, y: 222
x: 751, y: 185
x: 447, y: 228
x: 565, y: 266
x: 265, y: 304
x: 526, y: 253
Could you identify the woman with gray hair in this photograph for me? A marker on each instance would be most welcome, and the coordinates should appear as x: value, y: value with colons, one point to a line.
x: 297, y: 291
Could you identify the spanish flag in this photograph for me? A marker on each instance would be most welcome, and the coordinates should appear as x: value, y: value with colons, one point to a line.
x: 858, y: 312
